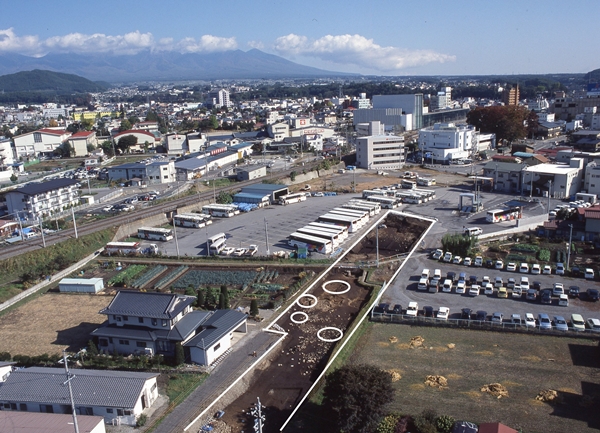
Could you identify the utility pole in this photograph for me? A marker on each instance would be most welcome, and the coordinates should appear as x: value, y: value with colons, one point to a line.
x: 68, y: 383
x: 41, y: 231
x: 549, y: 189
x: 569, y: 246
x: 175, y: 233
x: 377, y: 245
x: 74, y: 222
x: 267, y: 237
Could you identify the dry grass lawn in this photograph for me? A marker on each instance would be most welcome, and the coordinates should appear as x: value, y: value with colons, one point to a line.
x: 51, y: 323
x: 523, y: 364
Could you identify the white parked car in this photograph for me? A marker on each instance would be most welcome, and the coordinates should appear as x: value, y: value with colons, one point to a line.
x: 448, y: 257
x: 536, y: 269
x: 457, y: 260
x: 467, y: 261
x: 593, y: 325
x: 511, y: 267
x: 227, y: 251
x: 560, y: 269
x: 437, y: 254
x: 488, y: 289
x: 474, y: 290
x: 577, y: 322
x: 498, y: 282
x: 524, y: 268
x: 529, y: 320
x: 413, y: 309
x: 443, y: 313
x: 478, y: 261
x: 524, y: 283
x: 558, y: 289
x: 589, y: 274
x: 499, y: 264
x: 239, y: 252
x: 461, y: 287
x: 547, y: 270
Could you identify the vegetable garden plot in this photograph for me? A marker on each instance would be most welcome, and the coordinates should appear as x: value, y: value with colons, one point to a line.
x: 199, y: 278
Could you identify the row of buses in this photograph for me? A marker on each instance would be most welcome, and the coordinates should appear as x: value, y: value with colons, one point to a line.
x: 395, y: 197
x: 192, y: 220
x: 332, y: 228
x: 221, y: 210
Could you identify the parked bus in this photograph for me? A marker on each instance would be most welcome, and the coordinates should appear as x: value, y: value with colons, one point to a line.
x: 370, y: 192
x: 352, y: 223
x: 155, y: 234
x: 292, y: 198
x: 216, y: 247
x: 341, y: 231
x: 193, y: 220
x: 334, y: 238
x: 385, y: 202
x: 363, y: 215
x: 220, y: 211
x: 408, y: 184
x: 215, y: 238
x: 312, y: 243
x: 376, y: 207
x: 430, y: 193
x: 499, y: 215
x: 425, y: 181
x: 408, y: 197
x: 125, y: 248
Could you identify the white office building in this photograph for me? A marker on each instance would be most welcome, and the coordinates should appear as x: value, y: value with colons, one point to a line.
x: 219, y: 98
x: 445, y: 142
x: 380, y: 152
x: 397, y: 112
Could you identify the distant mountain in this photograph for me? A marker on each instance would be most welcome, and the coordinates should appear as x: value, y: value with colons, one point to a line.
x: 165, y: 66
x: 48, y: 81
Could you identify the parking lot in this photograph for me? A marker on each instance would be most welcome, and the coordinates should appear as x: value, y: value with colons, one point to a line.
x: 404, y: 290
x: 275, y: 222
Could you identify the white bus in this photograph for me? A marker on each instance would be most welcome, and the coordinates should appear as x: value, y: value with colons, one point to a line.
x: 216, y: 247
x: 341, y: 231
x: 430, y: 193
x: 352, y: 223
x: 499, y: 215
x: 155, y: 234
x: 220, y: 211
x: 408, y: 184
x: 362, y: 215
x: 215, y: 238
x: 385, y: 202
x: 370, y: 192
x: 367, y: 204
x: 410, y: 198
x: 193, y: 220
x: 369, y: 210
x: 312, y: 243
x: 292, y: 198
x: 334, y: 238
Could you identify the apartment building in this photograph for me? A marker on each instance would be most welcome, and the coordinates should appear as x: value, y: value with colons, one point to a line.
x: 41, y: 199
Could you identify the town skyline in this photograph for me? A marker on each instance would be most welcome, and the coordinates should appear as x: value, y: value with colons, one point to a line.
x: 381, y: 39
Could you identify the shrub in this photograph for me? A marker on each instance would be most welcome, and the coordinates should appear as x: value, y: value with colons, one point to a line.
x: 544, y: 255
x: 254, y: 307
x: 444, y: 423
x: 388, y: 424
x: 141, y: 421
x: 425, y: 422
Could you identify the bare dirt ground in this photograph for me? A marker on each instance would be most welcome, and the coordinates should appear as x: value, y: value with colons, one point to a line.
x: 469, y: 360
x: 51, y: 323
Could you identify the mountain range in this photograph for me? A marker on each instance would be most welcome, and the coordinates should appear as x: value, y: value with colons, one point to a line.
x: 165, y: 66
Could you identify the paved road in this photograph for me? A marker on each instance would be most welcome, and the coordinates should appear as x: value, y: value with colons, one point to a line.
x: 219, y: 379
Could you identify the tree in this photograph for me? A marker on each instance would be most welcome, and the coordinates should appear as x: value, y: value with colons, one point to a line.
x: 126, y: 142
x: 224, y: 198
x: 92, y: 350
x: 356, y: 396
x: 254, y: 308
x: 211, y: 299
x: 201, y: 298
x: 533, y: 122
x: 507, y: 122
x: 222, y: 302
x: 107, y: 147
x: 225, y: 295
x: 14, y: 178
x: 458, y: 244
x: 179, y: 354
x: 125, y: 125
x: 213, y: 122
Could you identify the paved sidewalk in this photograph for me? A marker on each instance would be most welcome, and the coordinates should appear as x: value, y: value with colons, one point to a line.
x: 230, y: 369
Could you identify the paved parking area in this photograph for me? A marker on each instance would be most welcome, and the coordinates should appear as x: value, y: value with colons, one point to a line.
x: 249, y: 228
x: 404, y: 290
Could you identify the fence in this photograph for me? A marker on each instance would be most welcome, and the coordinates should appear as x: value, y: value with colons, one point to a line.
x: 477, y: 324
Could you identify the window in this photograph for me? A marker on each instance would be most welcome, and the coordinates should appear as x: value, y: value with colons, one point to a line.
x: 153, y: 388
x: 37, y: 137
x: 124, y: 342
x: 109, y: 410
x: 118, y: 318
x: 140, y: 344
x: 217, y: 347
x: 141, y: 319
x: 154, y: 322
x: 23, y: 407
x: 86, y: 411
x: 46, y: 408
x: 164, y: 323
x: 126, y: 318
x: 127, y: 412
x: 103, y: 342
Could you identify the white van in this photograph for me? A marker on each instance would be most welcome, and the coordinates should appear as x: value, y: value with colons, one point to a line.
x: 423, y: 284
x: 589, y: 274
x: 425, y: 273
x: 447, y: 286
x: 563, y: 300
x: 473, y: 231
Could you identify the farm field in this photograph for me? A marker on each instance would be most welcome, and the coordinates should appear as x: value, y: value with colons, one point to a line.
x: 51, y: 323
x: 469, y: 360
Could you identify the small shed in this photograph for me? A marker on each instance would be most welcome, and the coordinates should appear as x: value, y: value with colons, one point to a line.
x: 81, y: 285
x: 87, y: 199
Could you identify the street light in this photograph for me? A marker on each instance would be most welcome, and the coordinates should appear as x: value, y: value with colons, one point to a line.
x: 569, y: 246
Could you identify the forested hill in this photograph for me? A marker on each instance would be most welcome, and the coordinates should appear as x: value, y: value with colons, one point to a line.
x: 48, y: 81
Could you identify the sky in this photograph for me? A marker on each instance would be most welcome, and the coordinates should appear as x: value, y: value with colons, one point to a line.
x: 377, y: 37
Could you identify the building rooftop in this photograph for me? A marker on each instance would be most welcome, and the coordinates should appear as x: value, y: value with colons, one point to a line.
x: 216, y: 327
x: 46, y: 186
x: 36, y: 422
x: 148, y: 304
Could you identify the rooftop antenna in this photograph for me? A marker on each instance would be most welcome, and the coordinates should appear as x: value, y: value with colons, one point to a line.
x: 68, y: 382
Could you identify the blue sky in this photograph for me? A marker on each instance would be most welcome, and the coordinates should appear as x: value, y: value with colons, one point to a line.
x: 382, y: 37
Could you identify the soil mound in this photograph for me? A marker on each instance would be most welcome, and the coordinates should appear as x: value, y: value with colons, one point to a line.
x: 436, y: 381
x: 495, y: 389
x: 548, y: 396
x: 417, y: 341
x: 396, y: 376
x: 393, y: 339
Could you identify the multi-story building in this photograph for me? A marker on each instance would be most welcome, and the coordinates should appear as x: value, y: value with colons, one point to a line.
x: 279, y: 131
x: 380, y: 152
x: 38, y: 143
x: 568, y: 107
x: 560, y: 180
x: 445, y: 142
x: 152, y: 173
x: 219, y: 98
x: 403, y: 112
x: 80, y: 141
x: 511, y: 95
x: 442, y: 100
x: 42, y: 199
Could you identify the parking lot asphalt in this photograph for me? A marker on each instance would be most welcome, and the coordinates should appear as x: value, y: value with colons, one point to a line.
x: 404, y: 290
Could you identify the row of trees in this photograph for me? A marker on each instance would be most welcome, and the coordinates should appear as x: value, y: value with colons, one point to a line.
x: 509, y: 122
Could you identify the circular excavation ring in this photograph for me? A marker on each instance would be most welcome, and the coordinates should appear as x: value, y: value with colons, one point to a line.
x: 299, y: 321
x: 313, y: 297
x: 330, y: 340
x: 346, y: 290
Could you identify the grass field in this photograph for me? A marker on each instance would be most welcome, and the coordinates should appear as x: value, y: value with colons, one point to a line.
x: 524, y: 364
x: 51, y: 323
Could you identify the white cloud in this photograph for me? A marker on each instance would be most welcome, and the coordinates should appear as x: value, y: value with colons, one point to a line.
x: 256, y: 44
x: 357, y: 50
x: 129, y: 43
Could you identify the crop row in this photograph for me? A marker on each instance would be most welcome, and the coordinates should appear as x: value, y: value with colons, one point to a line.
x: 265, y: 276
x: 170, y: 277
x: 269, y: 288
x: 126, y: 276
x: 151, y: 274
x: 199, y: 278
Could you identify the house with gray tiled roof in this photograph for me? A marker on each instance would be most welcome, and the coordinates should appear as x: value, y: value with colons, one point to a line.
x: 43, y: 198
x: 153, y: 323
x: 118, y: 396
